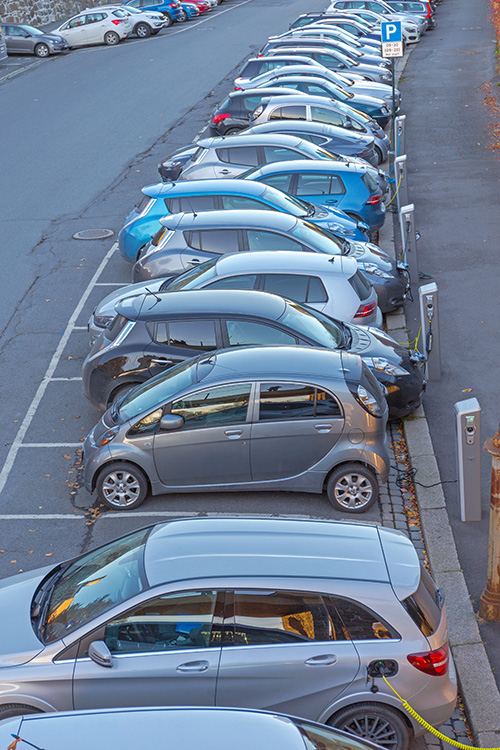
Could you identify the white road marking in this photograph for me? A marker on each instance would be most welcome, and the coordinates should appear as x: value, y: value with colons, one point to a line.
x: 63, y: 379
x: 28, y: 418
x: 162, y: 514
x: 50, y: 445
x: 80, y: 328
x: 110, y: 283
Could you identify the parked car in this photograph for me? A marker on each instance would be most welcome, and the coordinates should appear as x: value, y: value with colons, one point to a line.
x: 381, y: 8
x: 171, y: 9
x: 319, y: 31
x: 216, y: 195
x: 335, y: 60
x: 374, y: 108
x: 284, y: 42
x: 96, y: 27
x: 188, y: 11
x: 257, y: 65
x: 410, y: 7
x: 410, y: 29
x: 234, y: 112
x: 187, y: 728
x: 21, y: 39
x: 349, y: 186
x: 144, y: 23
x: 203, y: 6
x: 358, y: 25
x: 164, y: 329
x: 355, y: 25
x: 3, y: 47
x: 229, y: 157
x: 320, y: 109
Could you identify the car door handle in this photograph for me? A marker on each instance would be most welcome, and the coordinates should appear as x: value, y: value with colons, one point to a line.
x: 323, y: 427
x: 332, y: 201
x: 324, y: 660
x: 193, y: 666
x: 225, y: 171
x: 233, y: 434
x: 194, y: 261
x: 163, y: 361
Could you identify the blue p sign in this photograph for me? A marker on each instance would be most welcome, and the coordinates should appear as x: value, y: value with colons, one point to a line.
x: 391, y: 31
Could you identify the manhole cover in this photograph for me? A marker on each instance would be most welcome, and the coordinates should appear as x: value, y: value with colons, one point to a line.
x: 93, y: 234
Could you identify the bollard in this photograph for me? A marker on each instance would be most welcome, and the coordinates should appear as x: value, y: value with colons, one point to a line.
x: 468, y: 438
x: 409, y: 240
x: 399, y: 135
x: 401, y: 177
x: 489, y: 603
x: 429, y: 321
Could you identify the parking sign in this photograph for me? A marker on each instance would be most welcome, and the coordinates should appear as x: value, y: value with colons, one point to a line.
x: 392, y: 39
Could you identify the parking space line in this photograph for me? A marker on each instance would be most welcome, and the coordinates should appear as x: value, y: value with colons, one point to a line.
x: 28, y: 418
x: 80, y: 328
x: 63, y: 379
x: 158, y: 514
x: 50, y: 445
x: 109, y: 283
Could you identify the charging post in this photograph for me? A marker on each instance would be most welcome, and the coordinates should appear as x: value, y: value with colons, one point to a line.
x: 429, y: 321
x: 401, y: 180
x: 399, y: 135
x: 409, y: 240
x: 468, y: 436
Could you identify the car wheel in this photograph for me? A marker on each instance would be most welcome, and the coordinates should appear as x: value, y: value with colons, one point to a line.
x: 168, y: 20
x: 352, y: 488
x: 142, y: 30
x: 42, y: 50
x: 380, y: 156
x: 374, y: 722
x: 233, y: 131
x: 16, y: 709
x: 111, y: 38
x: 119, y: 392
x: 122, y: 486
x: 183, y: 16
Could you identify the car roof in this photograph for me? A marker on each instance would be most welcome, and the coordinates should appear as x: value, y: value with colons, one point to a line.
x: 285, y: 261
x: 148, y: 307
x: 205, y: 187
x: 258, y: 91
x: 311, y: 100
x: 185, y: 728
x: 267, y: 58
x: 271, y: 139
x: 225, y: 219
x: 313, y: 165
x: 197, y: 548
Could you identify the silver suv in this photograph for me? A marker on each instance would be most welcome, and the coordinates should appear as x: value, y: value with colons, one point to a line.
x: 251, y: 418
x: 287, y: 615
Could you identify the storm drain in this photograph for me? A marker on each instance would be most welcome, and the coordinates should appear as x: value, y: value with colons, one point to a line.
x: 93, y: 234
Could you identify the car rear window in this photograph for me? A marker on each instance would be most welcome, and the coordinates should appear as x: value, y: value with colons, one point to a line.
x: 116, y: 327
x: 360, y: 285
x: 370, y: 183
x: 424, y: 606
x: 224, y: 104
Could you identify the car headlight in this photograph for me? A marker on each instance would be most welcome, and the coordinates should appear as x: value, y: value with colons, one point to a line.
x: 384, y: 110
x: 339, y: 229
x: 257, y: 112
x: 368, y: 401
x: 108, y: 436
x: 381, y: 364
x: 102, y: 321
x: 374, y: 270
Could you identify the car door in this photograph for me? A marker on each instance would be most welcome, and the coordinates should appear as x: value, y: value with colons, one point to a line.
x: 209, y: 243
x: 96, y: 27
x: 323, y: 189
x: 75, y: 31
x: 235, y: 159
x: 177, y: 340
x: 288, y: 112
x: 241, y: 332
x: 212, y: 446
x: 301, y: 288
x: 18, y: 40
x: 261, y: 240
x: 283, y: 651
x: 165, y: 652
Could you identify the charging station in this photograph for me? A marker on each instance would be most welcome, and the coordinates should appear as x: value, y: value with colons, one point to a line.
x: 468, y: 436
x: 429, y: 333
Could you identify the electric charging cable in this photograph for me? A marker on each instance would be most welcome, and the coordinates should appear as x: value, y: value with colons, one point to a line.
x: 429, y: 727
x: 399, y: 183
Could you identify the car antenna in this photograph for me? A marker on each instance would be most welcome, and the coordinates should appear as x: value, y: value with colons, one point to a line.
x: 156, y: 296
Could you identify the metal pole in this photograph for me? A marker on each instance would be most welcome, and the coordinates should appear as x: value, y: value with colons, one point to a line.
x: 393, y: 68
x: 489, y: 603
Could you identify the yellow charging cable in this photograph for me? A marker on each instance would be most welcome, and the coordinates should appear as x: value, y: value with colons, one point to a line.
x: 428, y: 726
x: 399, y: 183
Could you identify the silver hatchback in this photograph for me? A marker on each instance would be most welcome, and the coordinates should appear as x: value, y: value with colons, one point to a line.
x: 279, y: 614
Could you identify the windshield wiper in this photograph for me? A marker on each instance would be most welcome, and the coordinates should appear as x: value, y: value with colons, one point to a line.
x: 42, y: 598
x: 311, y: 210
x: 346, y: 334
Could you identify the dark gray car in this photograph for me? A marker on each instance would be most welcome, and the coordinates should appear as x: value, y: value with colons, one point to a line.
x: 22, y: 39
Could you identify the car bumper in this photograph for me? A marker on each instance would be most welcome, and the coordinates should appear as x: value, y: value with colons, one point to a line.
x: 391, y: 292
x: 403, y: 393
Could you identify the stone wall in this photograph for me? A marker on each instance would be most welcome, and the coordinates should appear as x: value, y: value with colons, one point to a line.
x: 40, y: 12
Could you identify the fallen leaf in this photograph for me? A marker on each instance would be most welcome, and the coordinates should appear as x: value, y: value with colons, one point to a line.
x: 48, y: 475
x: 49, y: 554
x: 66, y: 456
x: 466, y: 390
x: 30, y: 552
x: 13, y: 561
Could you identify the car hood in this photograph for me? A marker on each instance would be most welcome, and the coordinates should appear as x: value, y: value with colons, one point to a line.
x: 108, y: 305
x: 18, y: 642
x: 371, y: 342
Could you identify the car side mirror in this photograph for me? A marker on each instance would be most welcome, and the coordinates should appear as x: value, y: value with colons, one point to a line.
x: 171, y: 422
x: 348, y: 124
x: 100, y: 654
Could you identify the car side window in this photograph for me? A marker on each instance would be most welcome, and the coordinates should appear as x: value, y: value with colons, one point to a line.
x: 94, y: 18
x: 261, y: 240
x: 319, y: 184
x: 359, y: 621
x: 267, y: 617
x: 278, y: 153
x: 78, y: 21
x: 316, y: 291
x: 187, y: 334
x: 288, y: 113
x: 15, y: 31
x: 166, y: 623
x: 313, y: 88
x: 294, y: 286
x: 214, y: 407
x: 286, y: 401
x: 280, y: 181
x: 328, y: 116
x: 250, y: 333
x: 246, y: 156
x: 246, y: 281
x: 218, y: 241
x: 243, y: 202
x: 250, y: 103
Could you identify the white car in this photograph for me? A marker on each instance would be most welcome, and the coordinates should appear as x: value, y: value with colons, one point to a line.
x: 410, y: 29
x: 102, y: 26
x: 144, y: 22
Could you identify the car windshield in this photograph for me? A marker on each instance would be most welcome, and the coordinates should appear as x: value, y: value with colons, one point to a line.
x: 153, y: 393
x: 94, y: 583
x: 288, y: 203
x: 317, y: 238
x: 313, y: 324
x: 318, y: 737
x: 31, y: 30
x: 191, y: 279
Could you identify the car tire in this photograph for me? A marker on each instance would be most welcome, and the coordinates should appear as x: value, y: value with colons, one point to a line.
x: 183, y: 16
x: 42, y: 50
x: 116, y: 394
x: 375, y: 722
x: 121, y: 486
x: 380, y: 156
x: 142, y: 30
x: 111, y: 38
x: 352, y: 488
x: 168, y: 21
x: 17, y: 709
x: 233, y: 131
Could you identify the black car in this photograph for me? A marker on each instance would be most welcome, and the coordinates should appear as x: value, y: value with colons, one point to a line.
x: 233, y: 114
x: 158, y: 331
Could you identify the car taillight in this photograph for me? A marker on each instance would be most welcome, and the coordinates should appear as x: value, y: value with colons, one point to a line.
x: 364, y: 310
x: 237, y: 88
x: 434, y: 663
x: 219, y: 118
x: 373, y: 200
x: 119, y: 20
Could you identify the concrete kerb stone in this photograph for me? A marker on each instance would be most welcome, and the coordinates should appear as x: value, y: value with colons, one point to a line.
x: 488, y: 739
x: 478, y: 688
x: 462, y: 623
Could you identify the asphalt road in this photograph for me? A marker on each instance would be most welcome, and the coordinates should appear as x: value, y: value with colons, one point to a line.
x: 454, y: 179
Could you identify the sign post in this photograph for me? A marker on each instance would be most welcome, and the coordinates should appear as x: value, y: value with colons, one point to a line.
x: 392, y: 47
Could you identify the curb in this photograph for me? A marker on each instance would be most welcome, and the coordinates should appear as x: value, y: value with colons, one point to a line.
x: 478, y: 688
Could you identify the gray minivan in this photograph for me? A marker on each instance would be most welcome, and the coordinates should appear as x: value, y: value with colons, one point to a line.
x: 251, y: 418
